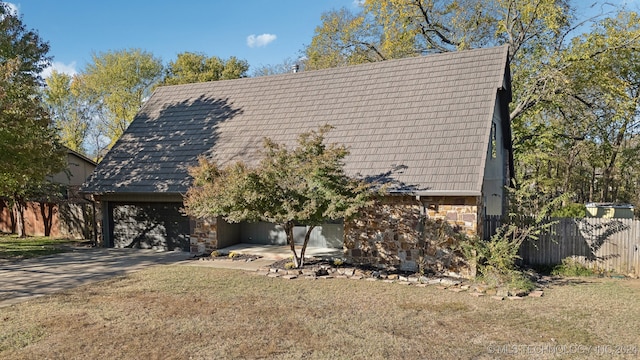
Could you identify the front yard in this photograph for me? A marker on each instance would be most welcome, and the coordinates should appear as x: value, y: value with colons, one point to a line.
x: 181, y: 312
x: 13, y: 247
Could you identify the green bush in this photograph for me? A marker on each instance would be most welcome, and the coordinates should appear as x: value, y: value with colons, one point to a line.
x: 496, y: 259
x: 572, y: 210
x: 571, y: 267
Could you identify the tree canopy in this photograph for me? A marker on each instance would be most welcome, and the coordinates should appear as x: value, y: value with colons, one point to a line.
x: 575, y: 110
x: 29, y: 147
x: 193, y: 68
x: 305, y: 185
x: 119, y: 82
x: 69, y: 110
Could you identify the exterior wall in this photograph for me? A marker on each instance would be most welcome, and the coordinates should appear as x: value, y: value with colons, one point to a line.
x: 68, y: 220
x: 610, y: 211
x: 208, y: 235
x: 78, y: 169
x: 204, y: 236
x: 495, y: 170
x: 326, y: 235
x: 412, y: 233
x: 406, y: 232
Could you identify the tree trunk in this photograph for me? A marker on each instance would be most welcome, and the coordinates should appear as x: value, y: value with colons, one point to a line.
x: 288, y: 228
x: 20, y: 206
x: 46, y: 210
x: 12, y: 215
x: 307, y: 236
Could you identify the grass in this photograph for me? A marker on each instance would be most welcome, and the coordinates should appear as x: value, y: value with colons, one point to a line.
x: 13, y: 247
x: 180, y: 312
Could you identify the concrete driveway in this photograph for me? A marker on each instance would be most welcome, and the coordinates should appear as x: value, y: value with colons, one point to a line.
x: 25, y: 279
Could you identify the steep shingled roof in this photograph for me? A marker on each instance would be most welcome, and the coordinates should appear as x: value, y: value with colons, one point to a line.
x: 422, y: 121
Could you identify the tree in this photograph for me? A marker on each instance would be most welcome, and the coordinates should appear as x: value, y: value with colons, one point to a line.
x: 69, y: 109
x: 29, y: 147
x: 286, y: 66
x: 193, y: 68
x: 306, y: 185
x: 561, y: 91
x: 119, y: 82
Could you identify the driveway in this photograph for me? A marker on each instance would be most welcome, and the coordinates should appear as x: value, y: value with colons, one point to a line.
x: 29, y: 278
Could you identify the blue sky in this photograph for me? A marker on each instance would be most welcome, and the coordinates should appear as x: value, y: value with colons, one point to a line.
x: 259, y: 31
x: 263, y: 32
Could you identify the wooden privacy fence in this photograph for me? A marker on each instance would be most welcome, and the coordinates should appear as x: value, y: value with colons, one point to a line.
x: 601, y: 244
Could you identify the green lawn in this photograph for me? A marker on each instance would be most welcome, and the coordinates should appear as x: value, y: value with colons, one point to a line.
x: 183, y: 312
x: 14, y: 248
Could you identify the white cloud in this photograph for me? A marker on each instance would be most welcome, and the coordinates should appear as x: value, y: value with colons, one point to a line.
x: 358, y: 2
x: 260, y: 40
x: 61, y: 68
x: 13, y: 8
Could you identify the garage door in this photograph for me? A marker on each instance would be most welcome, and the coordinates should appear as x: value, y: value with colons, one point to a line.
x: 158, y: 226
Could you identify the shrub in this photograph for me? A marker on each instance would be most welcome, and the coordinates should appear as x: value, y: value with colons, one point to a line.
x: 572, y: 210
x: 571, y: 267
x: 290, y: 265
x: 234, y: 254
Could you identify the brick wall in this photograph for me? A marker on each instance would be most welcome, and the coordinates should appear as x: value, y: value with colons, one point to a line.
x: 69, y: 220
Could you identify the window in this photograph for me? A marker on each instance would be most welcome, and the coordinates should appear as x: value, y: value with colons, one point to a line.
x: 494, y: 150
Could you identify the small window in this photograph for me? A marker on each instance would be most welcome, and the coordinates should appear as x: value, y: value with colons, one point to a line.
x: 494, y: 150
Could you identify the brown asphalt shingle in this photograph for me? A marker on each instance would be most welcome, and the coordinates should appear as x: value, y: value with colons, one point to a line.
x: 426, y: 117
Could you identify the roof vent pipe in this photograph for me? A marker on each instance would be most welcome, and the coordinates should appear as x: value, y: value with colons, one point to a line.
x: 295, y: 68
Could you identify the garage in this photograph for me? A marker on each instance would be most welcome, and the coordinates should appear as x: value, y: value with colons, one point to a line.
x: 159, y: 226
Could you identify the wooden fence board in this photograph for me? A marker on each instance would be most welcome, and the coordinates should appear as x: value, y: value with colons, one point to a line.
x: 603, y: 244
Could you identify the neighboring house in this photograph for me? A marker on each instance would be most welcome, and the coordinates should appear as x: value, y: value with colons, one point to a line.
x: 437, y: 127
x: 71, y: 218
x: 610, y: 210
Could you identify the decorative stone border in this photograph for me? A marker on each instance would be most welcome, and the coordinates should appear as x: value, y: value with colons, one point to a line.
x: 323, y: 272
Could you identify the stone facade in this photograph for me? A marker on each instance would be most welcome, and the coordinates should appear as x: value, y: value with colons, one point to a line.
x: 204, y: 236
x: 413, y: 233
x: 404, y: 232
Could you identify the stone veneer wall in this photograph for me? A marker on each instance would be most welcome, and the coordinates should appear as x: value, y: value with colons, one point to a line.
x: 396, y: 232
x: 204, y: 236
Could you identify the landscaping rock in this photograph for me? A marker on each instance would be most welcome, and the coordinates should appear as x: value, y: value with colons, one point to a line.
x: 519, y: 293
x: 537, y: 293
x: 322, y: 272
x: 290, y: 276
x: 495, y: 297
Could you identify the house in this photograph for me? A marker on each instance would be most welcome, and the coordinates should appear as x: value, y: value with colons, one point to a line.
x: 72, y: 218
x: 609, y: 210
x: 436, y: 127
